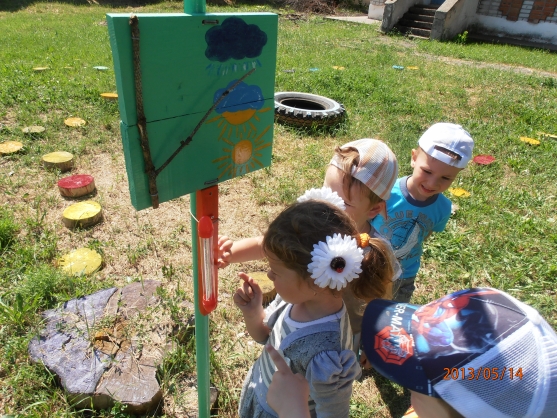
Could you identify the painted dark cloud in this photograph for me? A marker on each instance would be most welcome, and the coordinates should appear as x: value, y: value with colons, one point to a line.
x: 243, y: 97
x: 234, y: 39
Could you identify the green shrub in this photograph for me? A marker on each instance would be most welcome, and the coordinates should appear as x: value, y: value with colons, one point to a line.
x: 8, y: 229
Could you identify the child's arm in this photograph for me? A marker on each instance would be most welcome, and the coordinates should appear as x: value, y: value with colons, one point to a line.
x: 249, y: 299
x: 246, y: 249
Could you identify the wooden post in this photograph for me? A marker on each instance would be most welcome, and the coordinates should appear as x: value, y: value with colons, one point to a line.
x: 194, y: 6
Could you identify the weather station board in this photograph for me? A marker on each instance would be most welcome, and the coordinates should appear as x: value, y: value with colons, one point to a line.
x: 198, y: 90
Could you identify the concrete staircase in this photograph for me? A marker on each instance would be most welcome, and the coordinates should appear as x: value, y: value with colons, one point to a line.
x: 417, y: 21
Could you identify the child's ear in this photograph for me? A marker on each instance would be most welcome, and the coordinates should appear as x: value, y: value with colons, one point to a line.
x: 378, y: 209
x: 414, y: 156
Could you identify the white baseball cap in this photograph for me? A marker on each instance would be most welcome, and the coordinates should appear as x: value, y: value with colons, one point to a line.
x: 449, y: 143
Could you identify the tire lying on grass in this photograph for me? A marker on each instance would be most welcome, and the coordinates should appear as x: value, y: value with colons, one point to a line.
x: 305, y: 109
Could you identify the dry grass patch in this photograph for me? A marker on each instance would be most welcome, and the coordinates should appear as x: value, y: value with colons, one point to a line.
x: 8, y: 119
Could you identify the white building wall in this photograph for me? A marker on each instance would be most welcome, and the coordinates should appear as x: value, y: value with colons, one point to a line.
x: 542, y: 32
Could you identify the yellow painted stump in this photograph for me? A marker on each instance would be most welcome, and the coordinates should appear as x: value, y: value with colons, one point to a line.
x: 35, y: 129
x: 74, y: 122
x: 61, y: 160
x: 82, y: 214
x: 9, y: 147
x: 109, y: 96
x: 266, y: 285
x: 81, y: 262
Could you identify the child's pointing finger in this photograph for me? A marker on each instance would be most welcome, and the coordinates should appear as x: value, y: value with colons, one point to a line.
x: 244, y: 277
x: 277, y: 359
x: 250, y: 282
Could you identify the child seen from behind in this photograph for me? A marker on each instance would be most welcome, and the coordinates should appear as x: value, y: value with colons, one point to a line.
x: 314, y: 253
x: 363, y: 173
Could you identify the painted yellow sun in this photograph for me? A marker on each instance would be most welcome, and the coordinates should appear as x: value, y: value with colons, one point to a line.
x: 242, y: 157
x: 241, y: 152
x: 238, y: 124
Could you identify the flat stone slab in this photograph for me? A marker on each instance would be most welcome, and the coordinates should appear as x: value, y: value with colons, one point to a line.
x: 103, y: 351
x: 355, y: 19
x: 64, y: 346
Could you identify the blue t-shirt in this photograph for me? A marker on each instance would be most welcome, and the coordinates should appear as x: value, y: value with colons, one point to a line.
x: 409, y: 222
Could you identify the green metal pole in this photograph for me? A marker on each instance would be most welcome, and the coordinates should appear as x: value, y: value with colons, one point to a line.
x: 194, y: 6
x: 201, y: 328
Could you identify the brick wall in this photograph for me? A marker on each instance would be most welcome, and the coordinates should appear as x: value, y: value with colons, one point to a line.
x: 533, y: 11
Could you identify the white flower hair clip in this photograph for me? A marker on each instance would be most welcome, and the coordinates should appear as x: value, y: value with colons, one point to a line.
x: 324, y: 193
x: 335, y: 263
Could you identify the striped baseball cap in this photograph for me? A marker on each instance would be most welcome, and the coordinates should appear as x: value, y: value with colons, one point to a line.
x: 377, y: 168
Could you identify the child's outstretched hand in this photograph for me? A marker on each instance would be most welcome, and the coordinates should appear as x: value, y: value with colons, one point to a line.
x: 248, y: 297
x: 225, y: 251
x: 288, y: 392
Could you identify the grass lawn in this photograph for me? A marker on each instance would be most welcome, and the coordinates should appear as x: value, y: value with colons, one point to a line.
x: 503, y: 235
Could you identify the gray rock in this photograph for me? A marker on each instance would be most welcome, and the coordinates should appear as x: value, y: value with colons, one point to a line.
x: 94, y: 346
x: 90, y: 307
x: 64, y: 346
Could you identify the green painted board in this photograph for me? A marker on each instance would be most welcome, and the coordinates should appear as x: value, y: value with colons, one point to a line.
x: 219, y: 152
x: 187, y: 61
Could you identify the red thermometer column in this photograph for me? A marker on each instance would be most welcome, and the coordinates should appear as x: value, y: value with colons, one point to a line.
x: 208, y: 279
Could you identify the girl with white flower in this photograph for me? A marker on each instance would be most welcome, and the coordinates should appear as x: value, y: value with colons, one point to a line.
x: 314, y: 253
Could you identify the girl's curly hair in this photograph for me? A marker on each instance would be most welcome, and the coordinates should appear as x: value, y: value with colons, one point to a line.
x: 291, y: 236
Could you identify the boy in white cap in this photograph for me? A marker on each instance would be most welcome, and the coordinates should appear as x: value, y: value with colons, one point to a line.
x: 473, y: 353
x: 417, y: 207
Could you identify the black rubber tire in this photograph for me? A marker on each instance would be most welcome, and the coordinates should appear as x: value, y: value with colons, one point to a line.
x: 306, y: 110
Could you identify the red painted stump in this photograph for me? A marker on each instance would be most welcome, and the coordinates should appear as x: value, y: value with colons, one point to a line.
x: 77, y: 185
x: 483, y: 159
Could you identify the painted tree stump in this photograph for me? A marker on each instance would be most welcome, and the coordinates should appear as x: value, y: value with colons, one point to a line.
x: 60, y: 160
x: 9, y: 147
x: 484, y: 159
x: 80, y: 262
x: 77, y: 185
x: 266, y: 285
x: 74, y: 122
x: 530, y: 141
x: 34, y: 129
x: 109, y: 96
x: 82, y: 214
x: 105, y: 347
x: 459, y: 192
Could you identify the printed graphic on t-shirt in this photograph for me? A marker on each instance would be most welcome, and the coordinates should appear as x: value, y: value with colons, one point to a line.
x: 406, y: 233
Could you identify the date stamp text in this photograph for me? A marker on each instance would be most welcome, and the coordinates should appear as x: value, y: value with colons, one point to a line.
x: 482, y: 373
